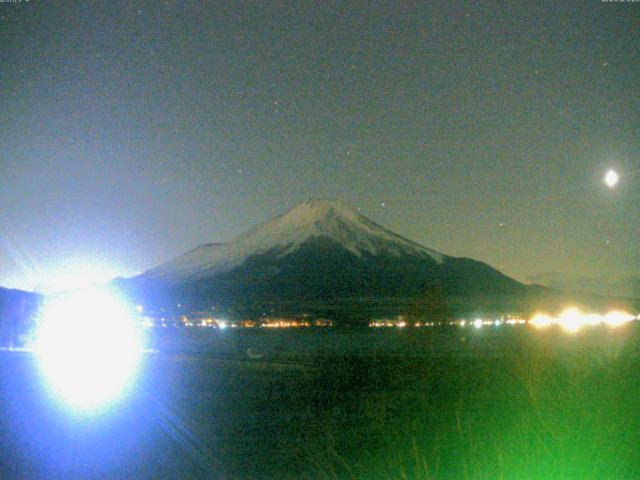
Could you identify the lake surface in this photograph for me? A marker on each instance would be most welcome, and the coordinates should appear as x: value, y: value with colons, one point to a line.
x: 307, y: 343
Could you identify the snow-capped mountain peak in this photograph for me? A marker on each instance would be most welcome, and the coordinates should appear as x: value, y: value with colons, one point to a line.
x: 315, y: 218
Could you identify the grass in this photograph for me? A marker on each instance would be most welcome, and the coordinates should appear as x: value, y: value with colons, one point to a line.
x: 533, y: 410
x: 454, y: 404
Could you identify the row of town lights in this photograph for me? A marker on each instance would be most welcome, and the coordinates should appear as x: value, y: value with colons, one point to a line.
x: 570, y: 320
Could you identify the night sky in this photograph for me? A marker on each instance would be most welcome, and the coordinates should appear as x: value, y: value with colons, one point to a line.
x: 130, y: 132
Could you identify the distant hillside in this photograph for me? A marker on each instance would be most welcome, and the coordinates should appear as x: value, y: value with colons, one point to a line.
x: 323, y: 256
x: 17, y: 311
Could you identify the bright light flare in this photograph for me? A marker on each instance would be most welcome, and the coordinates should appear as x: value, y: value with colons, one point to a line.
x: 571, y: 320
x: 593, y: 319
x: 611, y: 178
x: 541, y: 320
x: 88, y: 346
x: 617, y: 319
x: 76, y: 273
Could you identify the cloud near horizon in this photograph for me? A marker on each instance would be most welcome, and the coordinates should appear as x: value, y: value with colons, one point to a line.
x: 619, y: 287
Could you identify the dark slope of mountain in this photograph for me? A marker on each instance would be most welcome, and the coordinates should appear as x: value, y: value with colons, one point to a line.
x: 319, y: 253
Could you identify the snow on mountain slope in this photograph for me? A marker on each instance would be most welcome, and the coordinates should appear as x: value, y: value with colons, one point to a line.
x: 314, y: 218
x: 188, y: 264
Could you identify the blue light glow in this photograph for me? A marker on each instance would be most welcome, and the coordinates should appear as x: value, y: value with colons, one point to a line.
x: 88, y: 347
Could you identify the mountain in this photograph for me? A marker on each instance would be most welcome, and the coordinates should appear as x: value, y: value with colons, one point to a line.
x: 332, y: 221
x: 322, y: 255
x: 17, y: 310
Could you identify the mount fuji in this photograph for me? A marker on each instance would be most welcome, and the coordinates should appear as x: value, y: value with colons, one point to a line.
x: 321, y: 252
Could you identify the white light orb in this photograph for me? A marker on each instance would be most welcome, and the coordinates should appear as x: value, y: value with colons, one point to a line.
x: 611, y: 178
x: 88, y: 347
x: 572, y: 320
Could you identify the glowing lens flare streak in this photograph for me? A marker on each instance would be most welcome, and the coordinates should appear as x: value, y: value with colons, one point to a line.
x: 572, y: 320
x: 617, y: 319
x: 541, y: 321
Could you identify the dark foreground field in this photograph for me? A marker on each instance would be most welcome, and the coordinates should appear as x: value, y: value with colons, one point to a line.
x: 505, y: 403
